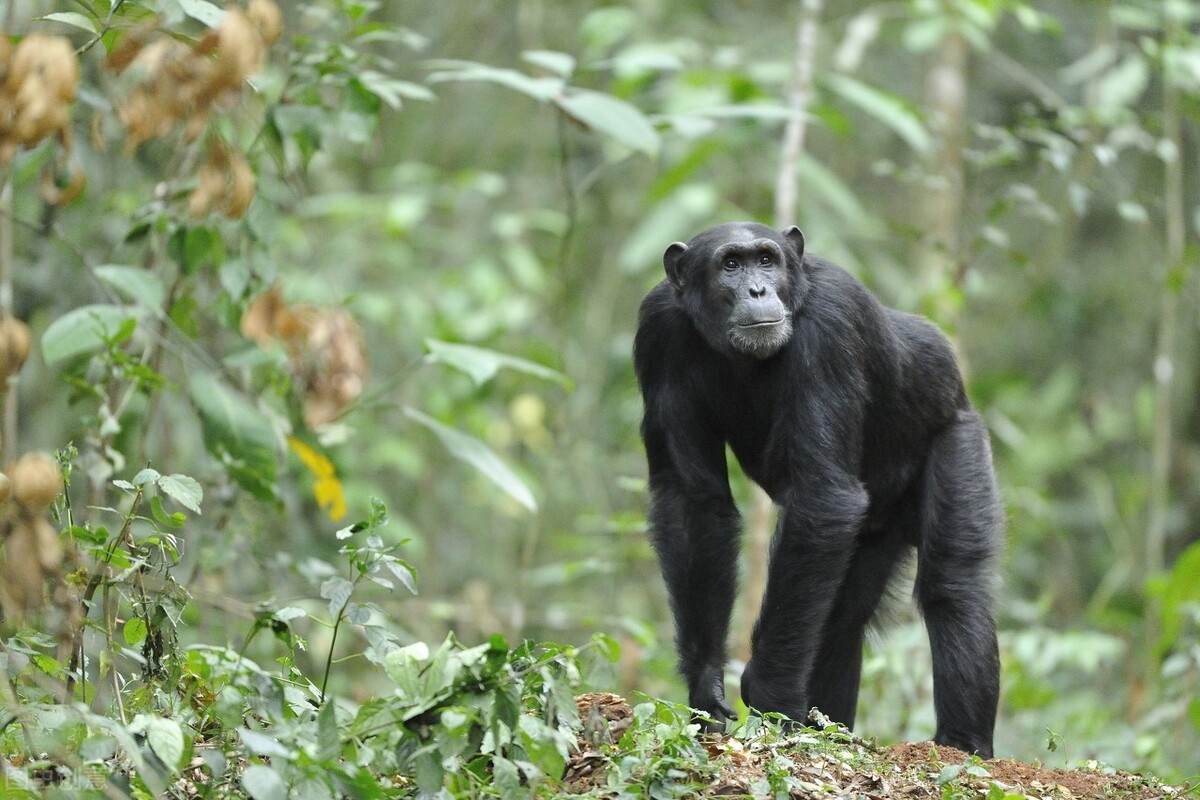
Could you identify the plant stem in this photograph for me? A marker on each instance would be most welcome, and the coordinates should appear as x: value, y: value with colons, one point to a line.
x: 90, y: 591
x: 1164, y: 354
x: 329, y: 656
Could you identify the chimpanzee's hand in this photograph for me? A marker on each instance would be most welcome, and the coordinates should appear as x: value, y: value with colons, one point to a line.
x: 780, y: 693
x: 708, y: 695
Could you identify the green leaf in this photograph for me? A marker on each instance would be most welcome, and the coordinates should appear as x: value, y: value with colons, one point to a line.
x: 337, y: 591
x: 145, y: 476
x: 391, y: 90
x: 948, y: 773
x: 134, y: 632
x: 82, y: 330
x: 329, y: 742
x: 613, y: 117
x: 403, y: 574
x: 72, y: 18
x: 203, y: 11
x: 886, y: 108
x: 540, y: 89
x: 560, y: 64
x: 139, y: 285
x: 237, y: 433
x: 263, y: 783
x: 479, y: 455
x: 1121, y: 86
x: 161, y: 516
x: 483, y: 364
x: 166, y: 740
x: 541, y: 744
x: 263, y: 745
x: 183, y: 490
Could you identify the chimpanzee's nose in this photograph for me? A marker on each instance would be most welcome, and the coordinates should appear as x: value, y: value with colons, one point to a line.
x: 757, y: 290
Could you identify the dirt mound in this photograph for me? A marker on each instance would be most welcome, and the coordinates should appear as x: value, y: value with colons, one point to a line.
x: 1031, y: 779
x: 834, y: 762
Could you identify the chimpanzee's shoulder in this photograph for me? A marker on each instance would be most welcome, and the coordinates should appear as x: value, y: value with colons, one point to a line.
x: 663, y: 331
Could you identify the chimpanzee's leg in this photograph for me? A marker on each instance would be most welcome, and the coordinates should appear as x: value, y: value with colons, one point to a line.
x: 818, y: 533
x: 962, y: 529
x: 833, y: 686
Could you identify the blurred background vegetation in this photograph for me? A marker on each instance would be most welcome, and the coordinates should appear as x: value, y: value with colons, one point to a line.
x: 456, y: 209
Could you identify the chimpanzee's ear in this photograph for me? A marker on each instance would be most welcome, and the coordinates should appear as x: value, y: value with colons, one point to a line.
x: 796, y: 237
x: 671, y: 262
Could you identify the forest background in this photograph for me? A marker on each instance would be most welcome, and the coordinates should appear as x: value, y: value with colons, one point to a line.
x: 292, y: 260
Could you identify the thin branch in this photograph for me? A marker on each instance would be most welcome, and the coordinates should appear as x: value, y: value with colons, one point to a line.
x: 105, y: 28
x: 568, y: 186
x: 798, y: 102
x: 93, y: 583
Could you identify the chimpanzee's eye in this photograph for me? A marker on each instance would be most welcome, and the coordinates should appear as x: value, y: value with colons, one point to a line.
x: 765, y: 260
x: 730, y: 264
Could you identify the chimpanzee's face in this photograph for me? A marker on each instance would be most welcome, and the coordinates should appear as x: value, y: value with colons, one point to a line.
x: 740, y: 283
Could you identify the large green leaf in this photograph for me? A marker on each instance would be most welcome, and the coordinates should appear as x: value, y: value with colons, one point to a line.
x: 483, y: 364
x: 540, y: 89
x: 165, y: 738
x: 82, y: 330
x: 263, y: 783
x: 183, y: 490
x: 72, y: 18
x: 479, y: 455
x: 203, y: 11
x: 613, y: 117
x: 138, y: 285
x: 237, y: 433
x: 886, y: 108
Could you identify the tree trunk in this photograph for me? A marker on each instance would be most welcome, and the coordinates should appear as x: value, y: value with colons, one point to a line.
x: 940, y: 257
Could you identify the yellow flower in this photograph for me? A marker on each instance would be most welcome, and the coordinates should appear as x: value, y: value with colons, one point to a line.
x: 327, y: 489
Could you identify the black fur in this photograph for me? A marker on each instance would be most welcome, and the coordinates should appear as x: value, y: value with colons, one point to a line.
x: 858, y: 427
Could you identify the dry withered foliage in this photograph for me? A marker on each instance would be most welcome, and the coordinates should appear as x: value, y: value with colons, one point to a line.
x: 225, y: 184
x: 36, y: 481
x: 180, y: 84
x: 325, y: 351
x: 14, y: 346
x: 38, y: 79
x: 33, y: 552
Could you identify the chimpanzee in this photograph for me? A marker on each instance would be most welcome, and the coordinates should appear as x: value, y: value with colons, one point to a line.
x: 853, y: 418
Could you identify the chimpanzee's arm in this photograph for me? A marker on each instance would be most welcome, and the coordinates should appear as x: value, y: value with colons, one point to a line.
x: 694, y: 525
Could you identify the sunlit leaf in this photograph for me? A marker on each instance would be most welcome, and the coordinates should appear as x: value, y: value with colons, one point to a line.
x: 134, y: 631
x: 165, y: 738
x: 479, y: 455
x: 327, y: 489
x: 561, y: 64
x: 263, y: 783
x: 183, y: 490
x: 541, y: 89
x: 884, y: 107
x: 139, y: 285
x: 483, y: 364
x: 203, y: 11
x: 613, y: 117
x: 72, y: 18
x: 82, y: 330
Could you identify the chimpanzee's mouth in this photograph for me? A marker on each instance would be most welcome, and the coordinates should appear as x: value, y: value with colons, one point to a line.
x: 763, y: 323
